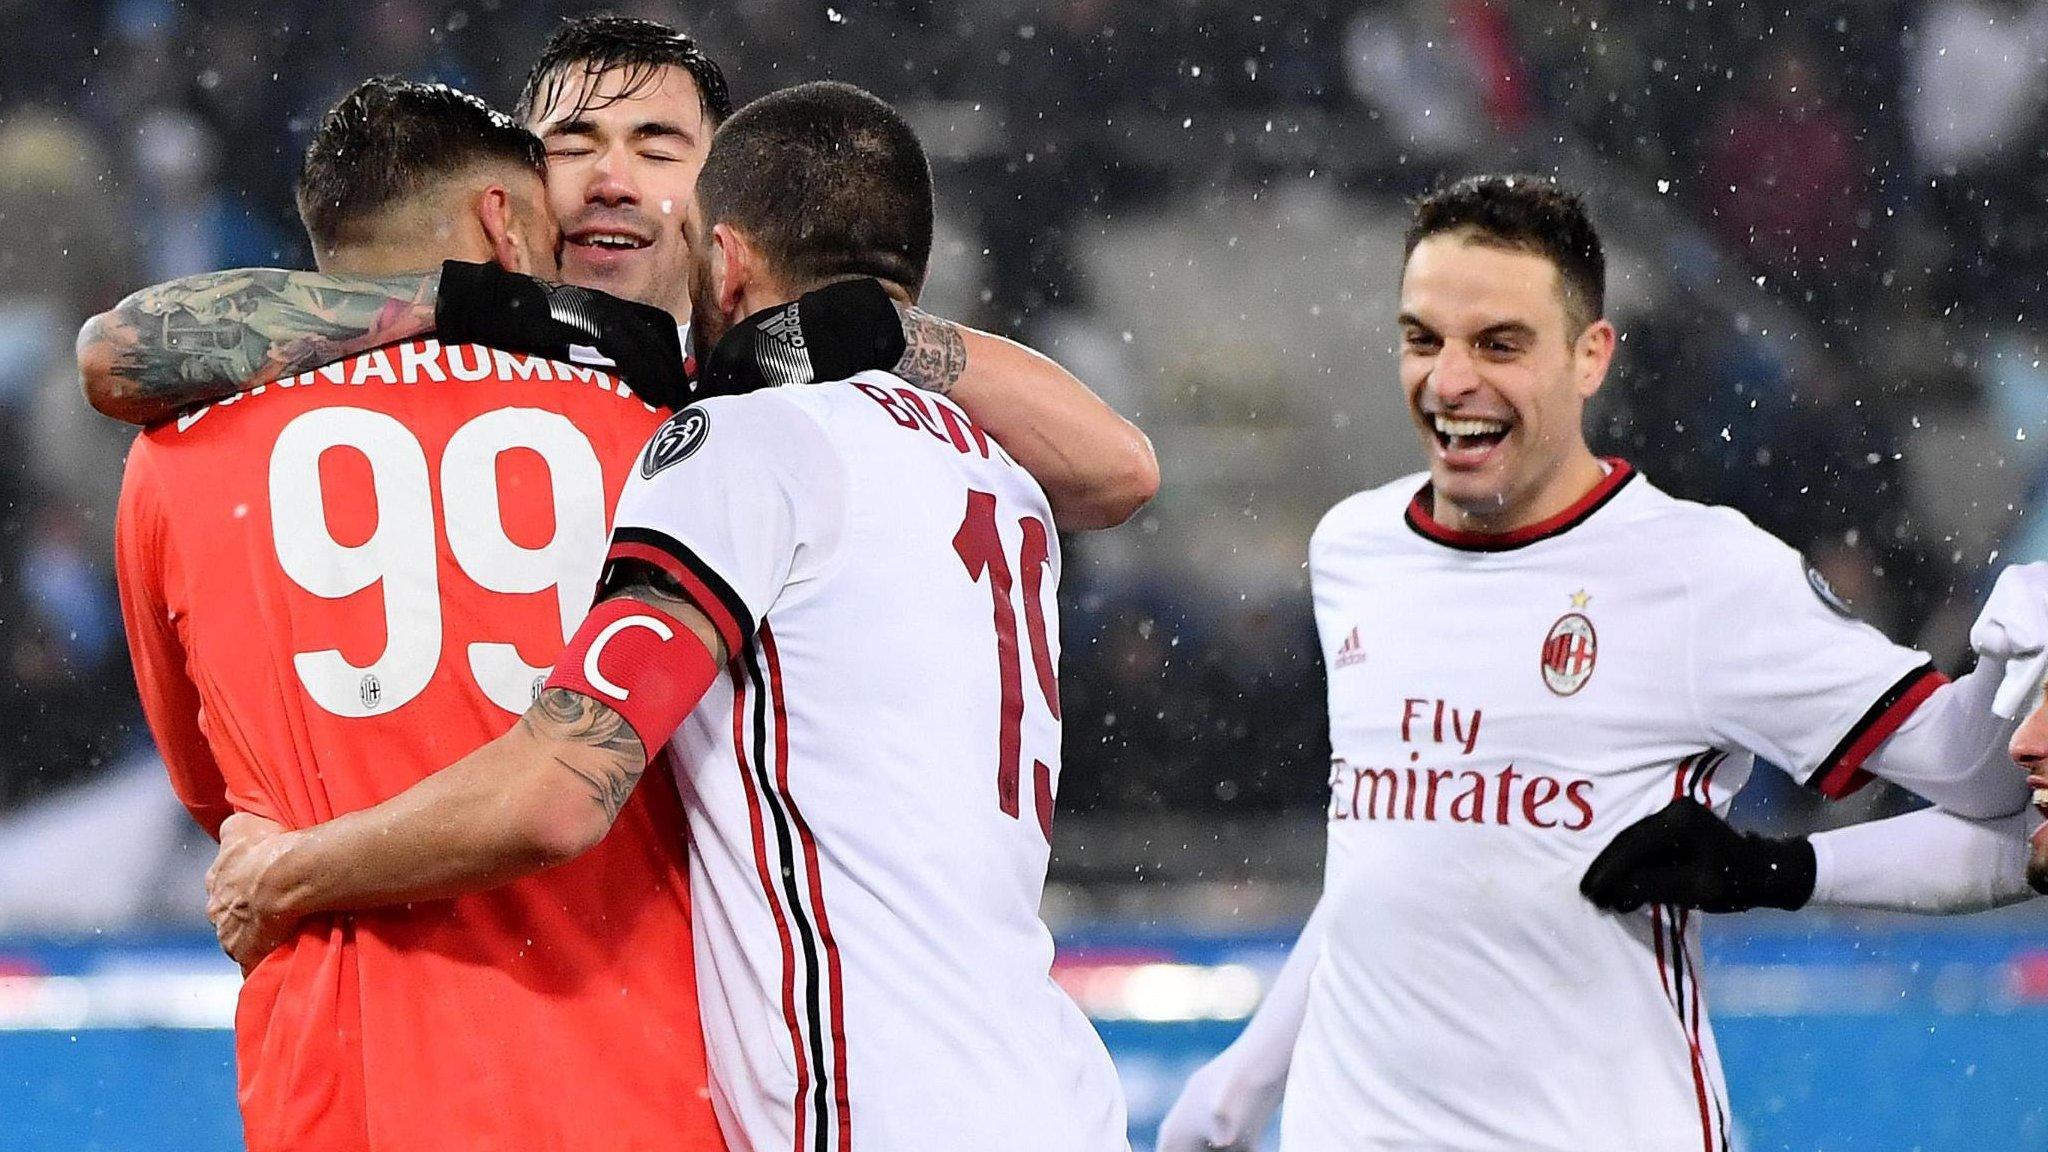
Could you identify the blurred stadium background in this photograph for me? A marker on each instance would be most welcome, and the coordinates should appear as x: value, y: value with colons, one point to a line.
x: 1828, y: 233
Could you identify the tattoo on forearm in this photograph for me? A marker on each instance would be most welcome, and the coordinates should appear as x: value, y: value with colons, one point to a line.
x: 936, y: 355
x: 559, y: 714
x: 205, y: 337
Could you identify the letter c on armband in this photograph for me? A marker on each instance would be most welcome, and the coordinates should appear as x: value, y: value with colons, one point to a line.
x: 594, y: 676
x: 658, y: 667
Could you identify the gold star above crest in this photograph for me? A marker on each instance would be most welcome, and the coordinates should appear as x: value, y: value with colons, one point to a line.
x: 1580, y: 599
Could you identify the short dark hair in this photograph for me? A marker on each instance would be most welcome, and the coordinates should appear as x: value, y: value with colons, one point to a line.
x: 390, y: 140
x: 827, y: 181
x: 1529, y: 214
x: 593, y: 45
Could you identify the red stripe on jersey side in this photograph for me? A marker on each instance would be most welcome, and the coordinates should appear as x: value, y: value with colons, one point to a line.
x: 1707, y: 778
x: 1657, y: 937
x: 810, y: 847
x: 1684, y: 768
x: 1672, y: 981
x: 1691, y: 779
x: 1667, y: 977
x: 1842, y: 772
x: 789, y: 855
x: 1703, y: 791
x: 1691, y: 1022
x: 1420, y: 516
x: 789, y: 1014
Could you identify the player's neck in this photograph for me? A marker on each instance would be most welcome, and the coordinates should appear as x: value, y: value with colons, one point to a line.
x: 379, y: 260
x: 1578, y: 475
x: 762, y: 294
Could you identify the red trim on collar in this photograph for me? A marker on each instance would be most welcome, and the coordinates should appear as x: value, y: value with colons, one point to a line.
x: 1418, y: 516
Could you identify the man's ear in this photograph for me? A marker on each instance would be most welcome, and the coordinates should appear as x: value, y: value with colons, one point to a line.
x: 1593, y: 355
x: 508, y: 242
x: 735, y: 267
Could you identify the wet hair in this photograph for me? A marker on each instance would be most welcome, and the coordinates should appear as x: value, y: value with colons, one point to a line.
x: 1528, y: 214
x: 826, y: 181
x: 390, y: 140
x: 590, y: 46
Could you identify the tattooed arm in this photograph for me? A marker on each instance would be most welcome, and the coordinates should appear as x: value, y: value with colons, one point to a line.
x: 540, y: 795
x: 1096, y: 467
x: 204, y: 337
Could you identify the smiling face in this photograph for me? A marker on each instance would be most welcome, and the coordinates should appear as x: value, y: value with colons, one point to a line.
x: 1497, y: 374
x: 622, y: 172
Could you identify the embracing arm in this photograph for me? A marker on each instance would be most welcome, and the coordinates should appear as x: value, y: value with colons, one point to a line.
x: 1096, y: 467
x: 1928, y: 861
x: 540, y: 795
x: 204, y: 337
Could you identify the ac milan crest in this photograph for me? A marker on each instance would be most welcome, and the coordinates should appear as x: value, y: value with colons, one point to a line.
x: 1569, y: 652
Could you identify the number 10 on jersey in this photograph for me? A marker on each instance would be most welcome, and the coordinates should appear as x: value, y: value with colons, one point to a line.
x: 980, y: 546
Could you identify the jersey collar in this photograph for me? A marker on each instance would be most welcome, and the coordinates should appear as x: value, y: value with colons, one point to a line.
x: 1619, y: 473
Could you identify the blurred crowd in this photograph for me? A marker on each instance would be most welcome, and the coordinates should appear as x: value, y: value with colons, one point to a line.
x: 1827, y: 222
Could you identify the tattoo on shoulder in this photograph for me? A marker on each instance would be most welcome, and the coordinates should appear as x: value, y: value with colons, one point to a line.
x: 560, y: 714
x: 204, y: 337
x: 936, y: 356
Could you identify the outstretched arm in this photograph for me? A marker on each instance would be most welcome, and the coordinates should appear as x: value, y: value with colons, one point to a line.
x: 1928, y: 861
x: 204, y: 337
x: 1228, y: 1101
x: 1096, y: 467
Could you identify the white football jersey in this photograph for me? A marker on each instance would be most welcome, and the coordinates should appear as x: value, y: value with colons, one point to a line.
x: 1500, y: 707
x: 870, y: 787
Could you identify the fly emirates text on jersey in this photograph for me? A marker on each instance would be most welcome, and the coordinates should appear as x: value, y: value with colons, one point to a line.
x: 1447, y: 778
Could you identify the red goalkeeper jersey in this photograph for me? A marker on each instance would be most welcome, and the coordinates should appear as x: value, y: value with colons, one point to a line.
x: 335, y: 585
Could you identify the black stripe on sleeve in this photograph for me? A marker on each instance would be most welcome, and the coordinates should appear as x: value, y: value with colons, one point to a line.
x: 1823, y: 778
x: 695, y: 566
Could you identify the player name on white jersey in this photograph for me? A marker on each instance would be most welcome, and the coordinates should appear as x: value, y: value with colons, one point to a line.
x: 870, y: 789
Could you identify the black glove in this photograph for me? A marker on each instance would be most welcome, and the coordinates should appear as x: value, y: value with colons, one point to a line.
x: 484, y: 304
x: 830, y: 334
x: 1687, y: 856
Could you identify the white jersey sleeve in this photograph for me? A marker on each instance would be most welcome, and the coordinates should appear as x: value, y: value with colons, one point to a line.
x: 1782, y: 669
x: 741, y: 500
x: 1957, y: 865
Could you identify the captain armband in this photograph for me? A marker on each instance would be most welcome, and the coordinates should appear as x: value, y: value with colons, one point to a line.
x: 640, y: 662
